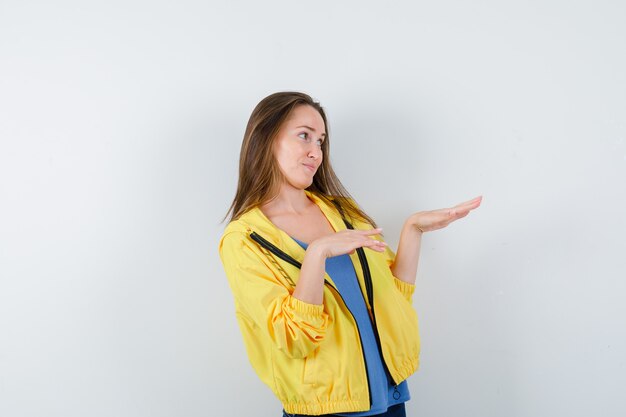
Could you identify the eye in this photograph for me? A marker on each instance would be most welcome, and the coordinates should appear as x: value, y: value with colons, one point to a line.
x: 306, y: 137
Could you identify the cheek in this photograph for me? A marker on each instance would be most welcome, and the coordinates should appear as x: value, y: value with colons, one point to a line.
x: 285, y: 157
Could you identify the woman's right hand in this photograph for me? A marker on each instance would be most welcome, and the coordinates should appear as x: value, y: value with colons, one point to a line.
x: 346, y: 242
x: 310, y: 286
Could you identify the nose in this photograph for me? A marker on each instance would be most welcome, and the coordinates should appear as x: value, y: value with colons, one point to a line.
x: 315, y: 152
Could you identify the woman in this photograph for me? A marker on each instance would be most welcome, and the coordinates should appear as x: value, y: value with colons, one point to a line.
x: 324, y: 306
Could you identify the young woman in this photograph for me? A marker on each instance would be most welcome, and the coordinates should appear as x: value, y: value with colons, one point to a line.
x: 324, y: 306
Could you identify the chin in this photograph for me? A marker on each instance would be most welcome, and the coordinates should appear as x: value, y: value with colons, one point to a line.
x: 301, y: 185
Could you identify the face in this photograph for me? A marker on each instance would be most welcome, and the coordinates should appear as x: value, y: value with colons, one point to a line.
x: 298, y: 146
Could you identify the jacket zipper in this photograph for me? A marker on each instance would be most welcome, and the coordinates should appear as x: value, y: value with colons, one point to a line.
x: 285, y: 257
x: 369, y: 289
x: 270, y: 247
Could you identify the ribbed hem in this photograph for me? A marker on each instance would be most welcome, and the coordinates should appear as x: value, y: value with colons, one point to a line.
x: 408, y: 369
x: 304, y: 308
x: 405, y: 288
x: 330, y: 407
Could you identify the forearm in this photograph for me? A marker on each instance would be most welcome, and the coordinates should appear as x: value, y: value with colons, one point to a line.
x: 404, y: 266
x: 310, y: 286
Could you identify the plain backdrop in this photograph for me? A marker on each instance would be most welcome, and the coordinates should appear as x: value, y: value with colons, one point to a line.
x: 120, y: 128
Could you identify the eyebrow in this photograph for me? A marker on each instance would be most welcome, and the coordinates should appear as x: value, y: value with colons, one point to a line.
x: 310, y: 128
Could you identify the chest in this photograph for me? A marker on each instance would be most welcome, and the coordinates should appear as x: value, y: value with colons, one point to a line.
x: 305, y: 227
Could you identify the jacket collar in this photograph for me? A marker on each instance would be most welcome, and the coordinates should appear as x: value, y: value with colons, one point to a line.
x: 256, y: 221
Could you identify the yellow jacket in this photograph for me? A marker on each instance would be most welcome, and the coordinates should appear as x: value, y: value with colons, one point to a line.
x: 310, y: 355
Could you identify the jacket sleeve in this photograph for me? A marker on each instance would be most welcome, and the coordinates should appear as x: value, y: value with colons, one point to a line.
x: 405, y: 288
x: 295, y: 327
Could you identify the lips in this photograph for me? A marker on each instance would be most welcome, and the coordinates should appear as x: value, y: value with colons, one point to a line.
x: 310, y: 167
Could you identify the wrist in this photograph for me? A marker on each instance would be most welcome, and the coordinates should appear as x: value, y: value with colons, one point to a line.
x: 314, y: 251
x: 413, y: 226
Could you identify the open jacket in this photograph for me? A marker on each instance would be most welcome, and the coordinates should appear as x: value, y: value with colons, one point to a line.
x: 311, y: 355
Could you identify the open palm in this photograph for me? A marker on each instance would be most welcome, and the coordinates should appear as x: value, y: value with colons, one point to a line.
x: 427, y: 221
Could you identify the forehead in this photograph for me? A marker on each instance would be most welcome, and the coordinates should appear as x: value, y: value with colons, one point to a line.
x: 305, y: 115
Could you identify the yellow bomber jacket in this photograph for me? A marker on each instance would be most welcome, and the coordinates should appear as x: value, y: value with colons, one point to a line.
x: 311, y: 355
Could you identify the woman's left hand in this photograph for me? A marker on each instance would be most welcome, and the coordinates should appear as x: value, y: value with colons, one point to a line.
x: 427, y: 221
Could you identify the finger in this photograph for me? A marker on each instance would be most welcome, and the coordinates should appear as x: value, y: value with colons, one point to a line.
x: 376, y: 248
x: 458, y: 213
x: 370, y: 231
x: 368, y: 241
x: 475, y: 202
x: 456, y: 210
x: 471, y: 203
x: 467, y: 205
x: 376, y: 245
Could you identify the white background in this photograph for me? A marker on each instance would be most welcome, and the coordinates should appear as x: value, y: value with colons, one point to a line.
x: 120, y: 128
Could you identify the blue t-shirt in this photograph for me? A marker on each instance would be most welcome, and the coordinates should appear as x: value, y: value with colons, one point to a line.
x: 383, y: 392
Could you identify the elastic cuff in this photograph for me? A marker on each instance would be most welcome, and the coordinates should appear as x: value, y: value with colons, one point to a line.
x: 305, y: 308
x: 405, y: 288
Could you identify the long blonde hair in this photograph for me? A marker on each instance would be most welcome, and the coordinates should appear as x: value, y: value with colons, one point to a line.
x: 259, y: 174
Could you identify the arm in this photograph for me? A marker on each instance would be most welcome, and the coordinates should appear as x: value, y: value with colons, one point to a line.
x: 404, y: 266
x: 295, y: 327
x: 295, y: 322
x: 310, y: 287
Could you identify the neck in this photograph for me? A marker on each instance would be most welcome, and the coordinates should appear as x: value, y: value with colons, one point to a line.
x: 289, y: 200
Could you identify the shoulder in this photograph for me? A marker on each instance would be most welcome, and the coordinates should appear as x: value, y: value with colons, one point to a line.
x: 353, y: 212
x: 238, y: 231
x: 235, y: 234
x: 236, y: 248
